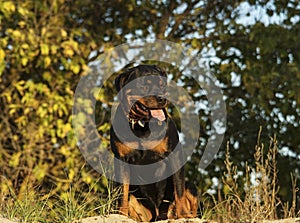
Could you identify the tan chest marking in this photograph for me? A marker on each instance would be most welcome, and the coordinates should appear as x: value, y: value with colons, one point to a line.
x: 159, y: 146
x: 126, y: 147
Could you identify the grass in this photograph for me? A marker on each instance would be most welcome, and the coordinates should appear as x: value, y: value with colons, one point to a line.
x: 255, y: 201
x: 66, y: 207
x: 27, y: 205
x: 258, y: 200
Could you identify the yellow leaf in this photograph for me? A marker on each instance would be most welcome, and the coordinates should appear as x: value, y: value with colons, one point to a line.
x: 54, y: 140
x: 75, y: 68
x: 65, y: 150
x: 25, y: 46
x: 47, y: 76
x: 54, y: 49
x: 2, y: 55
x: 43, y: 31
x: 86, y: 177
x: 195, y: 43
x: 31, y: 37
x: 104, y: 127
x: 40, y: 171
x: 68, y: 52
x: 12, y: 111
x: 71, y: 174
x: 24, y: 61
x: 55, y: 107
x: 15, y: 159
x: 22, y: 24
x: 63, y: 33
x: 16, y: 34
x: 9, y: 6
x: 23, y: 11
x: 3, y: 42
x: 26, y: 111
x: 44, y: 49
x: 2, y: 67
x: 7, y: 96
x: 47, y: 62
x: 67, y: 127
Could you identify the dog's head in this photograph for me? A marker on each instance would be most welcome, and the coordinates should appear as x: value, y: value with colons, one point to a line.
x: 142, y: 91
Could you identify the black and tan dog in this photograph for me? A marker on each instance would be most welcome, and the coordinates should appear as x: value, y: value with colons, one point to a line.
x: 142, y: 133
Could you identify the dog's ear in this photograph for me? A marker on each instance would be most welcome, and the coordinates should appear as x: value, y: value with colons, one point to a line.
x: 124, y: 78
x: 118, y: 82
x: 161, y: 71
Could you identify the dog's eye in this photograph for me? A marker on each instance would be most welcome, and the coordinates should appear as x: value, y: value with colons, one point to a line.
x: 162, y: 85
x: 143, y: 86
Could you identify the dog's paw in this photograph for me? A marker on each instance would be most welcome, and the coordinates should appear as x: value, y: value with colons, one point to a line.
x: 124, y: 211
x: 186, y: 206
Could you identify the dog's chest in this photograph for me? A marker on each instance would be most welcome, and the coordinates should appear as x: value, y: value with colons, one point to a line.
x: 143, y: 148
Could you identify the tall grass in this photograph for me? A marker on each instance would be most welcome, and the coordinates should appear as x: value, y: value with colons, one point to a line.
x: 54, y: 207
x: 258, y: 200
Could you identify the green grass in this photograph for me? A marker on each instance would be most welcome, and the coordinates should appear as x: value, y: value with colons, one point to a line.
x: 65, y: 207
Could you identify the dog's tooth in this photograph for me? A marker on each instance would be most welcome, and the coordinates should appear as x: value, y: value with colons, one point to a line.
x: 141, y: 123
x: 132, y: 123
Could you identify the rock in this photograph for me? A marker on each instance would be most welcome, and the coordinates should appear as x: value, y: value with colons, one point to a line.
x: 113, y: 218
x: 287, y: 220
x: 4, y: 220
x: 116, y: 218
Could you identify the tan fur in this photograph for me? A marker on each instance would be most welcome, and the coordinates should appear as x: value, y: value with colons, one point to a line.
x: 137, y: 211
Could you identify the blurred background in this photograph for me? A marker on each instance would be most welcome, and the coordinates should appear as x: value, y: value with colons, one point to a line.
x: 253, y: 49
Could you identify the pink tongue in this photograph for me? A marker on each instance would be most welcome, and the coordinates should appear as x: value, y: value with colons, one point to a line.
x: 159, y: 114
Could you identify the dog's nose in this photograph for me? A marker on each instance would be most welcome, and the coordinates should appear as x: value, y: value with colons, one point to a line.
x: 161, y: 100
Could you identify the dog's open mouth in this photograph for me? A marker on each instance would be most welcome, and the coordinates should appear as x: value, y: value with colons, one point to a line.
x: 158, y: 114
x: 148, y: 107
x: 156, y: 111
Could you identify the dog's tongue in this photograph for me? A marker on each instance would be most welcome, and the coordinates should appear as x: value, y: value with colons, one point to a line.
x: 159, y: 114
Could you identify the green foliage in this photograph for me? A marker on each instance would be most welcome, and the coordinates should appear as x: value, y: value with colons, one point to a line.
x: 47, y: 46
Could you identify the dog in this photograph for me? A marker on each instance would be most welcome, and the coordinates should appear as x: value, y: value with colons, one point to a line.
x: 143, y: 133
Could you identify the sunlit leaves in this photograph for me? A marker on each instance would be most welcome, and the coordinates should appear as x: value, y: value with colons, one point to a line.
x: 7, y: 8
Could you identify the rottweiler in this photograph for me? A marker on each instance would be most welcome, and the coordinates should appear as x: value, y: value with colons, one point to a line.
x: 143, y: 133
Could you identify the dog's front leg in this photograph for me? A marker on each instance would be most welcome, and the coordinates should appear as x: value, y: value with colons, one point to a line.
x: 125, y: 174
x: 182, y: 209
x: 183, y: 206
